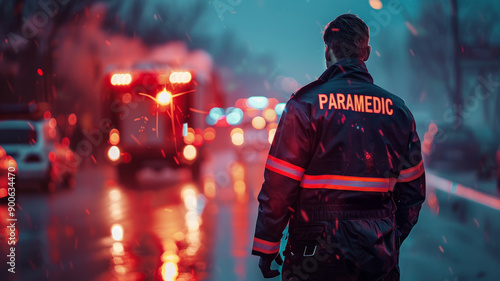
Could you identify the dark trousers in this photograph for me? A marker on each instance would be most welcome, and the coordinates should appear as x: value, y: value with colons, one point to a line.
x: 347, y: 252
x: 300, y: 268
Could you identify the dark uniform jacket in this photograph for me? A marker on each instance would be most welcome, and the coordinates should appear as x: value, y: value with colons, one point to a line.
x: 345, y: 168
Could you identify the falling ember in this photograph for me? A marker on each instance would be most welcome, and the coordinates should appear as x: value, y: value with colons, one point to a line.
x: 378, y: 54
x: 135, y: 139
x: 87, y: 211
x: 441, y: 249
x: 198, y: 111
x: 411, y: 28
x: 304, y: 215
x: 107, y: 43
x: 412, y: 53
x: 93, y: 159
x: 477, y: 223
x: 40, y: 72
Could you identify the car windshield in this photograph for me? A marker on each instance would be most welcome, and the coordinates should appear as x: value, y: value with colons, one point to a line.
x: 17, y: 136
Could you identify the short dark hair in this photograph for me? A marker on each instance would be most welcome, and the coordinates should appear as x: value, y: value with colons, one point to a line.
x: 347, y: 36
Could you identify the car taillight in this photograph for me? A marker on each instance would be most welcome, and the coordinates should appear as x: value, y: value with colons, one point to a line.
x: 114, y: 153
x: 258, y: 122
x: 237, y: 136
x: 114, y: 137
x: 189, y: 152
x: 121, y: 79
x: 33, y: 158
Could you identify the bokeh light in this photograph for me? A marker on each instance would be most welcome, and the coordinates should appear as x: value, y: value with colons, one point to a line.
x: 258, y: 122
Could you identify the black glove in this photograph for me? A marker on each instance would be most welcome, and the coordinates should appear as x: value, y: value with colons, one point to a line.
x: 265, y: 266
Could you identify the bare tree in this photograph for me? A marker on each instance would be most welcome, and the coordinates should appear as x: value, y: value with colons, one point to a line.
x: 432, y: 48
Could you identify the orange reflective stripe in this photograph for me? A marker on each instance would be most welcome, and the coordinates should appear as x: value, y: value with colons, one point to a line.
x: 265, y: 247
x: 412, y: 173
x: 346, y: 178
x: 347, y: 183
x: 284, y: 168
x: 265, y: 242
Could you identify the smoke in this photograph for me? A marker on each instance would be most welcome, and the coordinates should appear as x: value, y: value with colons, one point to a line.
x: 85, y: 51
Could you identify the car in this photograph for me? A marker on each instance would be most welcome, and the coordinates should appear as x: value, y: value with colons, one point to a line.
x: 42, y: 161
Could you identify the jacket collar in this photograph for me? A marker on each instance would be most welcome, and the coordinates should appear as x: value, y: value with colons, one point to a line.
x: 354, y: 69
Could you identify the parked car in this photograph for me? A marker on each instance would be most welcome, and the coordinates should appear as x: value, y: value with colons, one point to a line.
x: 42, y: 161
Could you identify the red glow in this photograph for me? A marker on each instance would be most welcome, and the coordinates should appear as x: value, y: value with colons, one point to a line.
x: 40, y: 72
x: 65, y: 141
x: 3, y: 192
x: 209, y: 134
x: 69, y: 155
x: 127, y: 157
x: 72, y: 119
x: 433, y: 129
x: 52, y: 156
x: 222, y: 122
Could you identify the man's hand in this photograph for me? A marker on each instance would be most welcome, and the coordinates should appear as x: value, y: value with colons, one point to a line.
x: 265, y: 266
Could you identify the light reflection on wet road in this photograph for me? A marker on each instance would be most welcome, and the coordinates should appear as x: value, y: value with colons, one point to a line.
x: 168, y: 228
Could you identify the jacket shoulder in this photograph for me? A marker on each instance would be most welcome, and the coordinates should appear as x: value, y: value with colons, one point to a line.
x: 311, y: 87
x: 398, y: 101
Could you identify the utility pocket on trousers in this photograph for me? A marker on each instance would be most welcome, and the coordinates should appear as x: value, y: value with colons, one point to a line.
x: 304, y: 239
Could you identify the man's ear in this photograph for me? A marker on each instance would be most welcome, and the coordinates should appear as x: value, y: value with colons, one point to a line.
x: 330, y: 57
x: 368, y: 51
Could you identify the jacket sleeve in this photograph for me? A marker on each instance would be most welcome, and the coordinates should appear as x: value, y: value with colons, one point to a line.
x: 285, y: 165
x: 409, y: 192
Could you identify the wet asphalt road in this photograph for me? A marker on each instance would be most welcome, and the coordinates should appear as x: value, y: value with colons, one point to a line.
x: 168, y: 228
